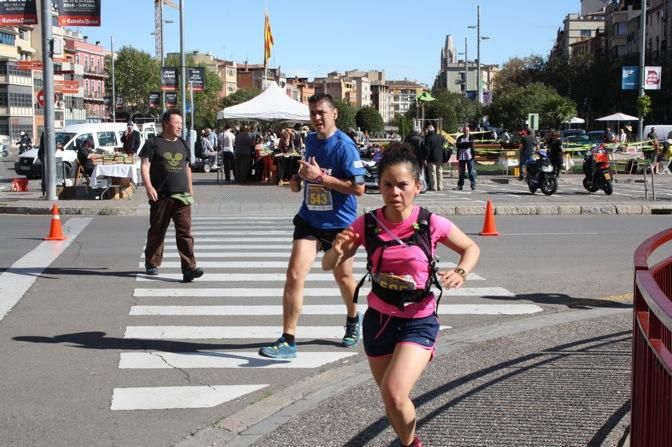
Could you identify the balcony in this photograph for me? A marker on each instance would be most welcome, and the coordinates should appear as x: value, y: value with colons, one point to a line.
x: 97, y: 72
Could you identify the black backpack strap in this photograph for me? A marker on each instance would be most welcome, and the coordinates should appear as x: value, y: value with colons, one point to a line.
x: 370, y: 243
x: 424, y: 241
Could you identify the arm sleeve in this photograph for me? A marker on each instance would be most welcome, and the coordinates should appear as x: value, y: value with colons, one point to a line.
x: 147, y: 150
x: 351, y: 163
x: 358, y: 228
x: 440, y: 228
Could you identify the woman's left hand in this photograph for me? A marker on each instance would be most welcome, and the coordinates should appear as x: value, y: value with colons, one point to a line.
x: 451, y: 279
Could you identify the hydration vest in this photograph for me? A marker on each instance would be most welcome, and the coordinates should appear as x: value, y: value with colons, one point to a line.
x: 421, y: 237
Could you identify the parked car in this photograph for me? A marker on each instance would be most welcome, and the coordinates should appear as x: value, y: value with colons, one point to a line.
x: 106, y: 138
x: 592, y: 137
x: 569, y: 132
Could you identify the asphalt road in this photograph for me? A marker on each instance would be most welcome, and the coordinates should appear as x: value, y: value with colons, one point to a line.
x: 67, y: 335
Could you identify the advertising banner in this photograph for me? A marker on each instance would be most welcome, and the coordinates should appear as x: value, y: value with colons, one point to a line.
x: 196, y: 76
x: 18, y: 12
x: 171, y: 99
x: 79, y: 12
x: 168, y: 79
x: 652, y: 78
x: 154, y: 100
x: 630, y: 77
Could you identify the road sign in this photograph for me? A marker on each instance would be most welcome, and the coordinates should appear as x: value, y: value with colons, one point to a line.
x: 40, y: 98
x: 533, y: 121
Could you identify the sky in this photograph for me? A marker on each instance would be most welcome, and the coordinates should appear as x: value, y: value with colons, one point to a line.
x: 312, y: 38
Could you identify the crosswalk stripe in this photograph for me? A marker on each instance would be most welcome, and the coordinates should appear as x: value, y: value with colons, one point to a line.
x: 325, y: 309
x: 236, y: 233
x: 252, y: 277
x: 244, y: 264
x: 240, y: 239
x: 242, y: 218
x: 225, y: 359
x: 242, y: 254
x: 229, y: 332
x: 479, y: 292
x: 198, y: 246
x: 172, y: 397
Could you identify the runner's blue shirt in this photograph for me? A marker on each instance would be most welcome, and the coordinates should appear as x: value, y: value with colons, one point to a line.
x: 337, y: 156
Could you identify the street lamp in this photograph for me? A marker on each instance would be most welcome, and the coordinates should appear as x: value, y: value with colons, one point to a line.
x: 479, y: 85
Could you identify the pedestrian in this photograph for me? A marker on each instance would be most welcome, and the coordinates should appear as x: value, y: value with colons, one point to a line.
x: 212, y: 138
x: 465, y: 158
x: 417, y: 143
x: 622, y: 138
x: 401, y: 324
x: 652, y: 134
x: 556, y: 152
x: 226, y: 140
x: 243, y: 148
x: 528, y: 144
x: 166, y: 173
x: 208, y: 152
x: 333, y: 175
x: 131, y: 139
x: 434, y: 150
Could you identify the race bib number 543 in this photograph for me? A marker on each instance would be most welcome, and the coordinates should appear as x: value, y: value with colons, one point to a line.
x: 318, y: 198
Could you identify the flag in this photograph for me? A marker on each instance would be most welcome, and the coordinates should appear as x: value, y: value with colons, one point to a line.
x: 268, y: 40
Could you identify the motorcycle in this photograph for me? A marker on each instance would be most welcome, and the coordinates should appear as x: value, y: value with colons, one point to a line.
x: 23, y: 147
x: 371, y: 173
x: 540, y: 174
x: 596, y: 170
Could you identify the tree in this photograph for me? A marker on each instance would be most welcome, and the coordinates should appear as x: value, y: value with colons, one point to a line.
x: 238, y: 97
x: 136, y: 76
x: 369, y: 119
x: 346, y: 116
x: 453, y: 109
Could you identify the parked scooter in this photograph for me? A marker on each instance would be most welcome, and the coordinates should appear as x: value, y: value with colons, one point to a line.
x: 371, y: 173
x: 596, y: 170
x: 540, y: 174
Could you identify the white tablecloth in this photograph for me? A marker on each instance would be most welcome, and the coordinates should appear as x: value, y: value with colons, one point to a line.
x: 115, y: 170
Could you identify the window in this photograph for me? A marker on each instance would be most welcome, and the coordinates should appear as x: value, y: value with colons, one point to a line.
x: 7, y: 39
x: 80, y: 139
x: 586, y: 33
x: 107, y: 139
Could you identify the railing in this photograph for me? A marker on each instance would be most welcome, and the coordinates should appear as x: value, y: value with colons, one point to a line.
x: 651, y: 409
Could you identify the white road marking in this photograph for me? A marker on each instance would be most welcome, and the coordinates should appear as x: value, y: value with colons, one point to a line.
x: 229, y: 332
x: 16, y: 280
x: 480, y: 292
x: 199, y: 246
x: 242, y: 218
x: 172, y: 397
x: 225, y: 359
x: 248, y: 254
x: 237, y: 233
x: 548, y: 234
x: 252, y: 277
x: 240, y: 239
x: 244, y: 264
x: 326, y: 309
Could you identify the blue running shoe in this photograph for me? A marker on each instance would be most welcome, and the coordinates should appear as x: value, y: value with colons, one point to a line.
x: 353, y: 332
x: 279, y: 350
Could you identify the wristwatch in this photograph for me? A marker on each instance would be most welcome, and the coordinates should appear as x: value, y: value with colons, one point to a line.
x: 461, y: 272
x: 319, y: 179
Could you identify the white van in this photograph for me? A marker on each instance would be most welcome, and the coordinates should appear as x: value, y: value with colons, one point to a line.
x: 663, y: 131
x: 106, y: 138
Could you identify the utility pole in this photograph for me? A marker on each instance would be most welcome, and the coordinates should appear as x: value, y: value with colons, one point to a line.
x: 466, y: 68
x: 479, y: 87
x: 183, y: 71
x: 48, y: 80
x: 114, y: 88
x: 642, y: 61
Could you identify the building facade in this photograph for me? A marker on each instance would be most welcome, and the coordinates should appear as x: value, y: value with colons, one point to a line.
x: 404, y: 94
x: 227, y: 71
x: 17, y: 111
x: 91, y: 58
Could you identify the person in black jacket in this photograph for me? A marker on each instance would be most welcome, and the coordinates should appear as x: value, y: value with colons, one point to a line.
x: 556, y: 152
x: 465, y: 158
x: 434, y: 151
x: 131, y: 140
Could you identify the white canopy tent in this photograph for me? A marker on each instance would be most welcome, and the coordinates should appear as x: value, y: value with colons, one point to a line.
x: 270, y: 105
x: 575, y: 120
x: 618, y: 117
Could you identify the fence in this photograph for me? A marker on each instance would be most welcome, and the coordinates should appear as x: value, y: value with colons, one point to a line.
x: 651, y: 410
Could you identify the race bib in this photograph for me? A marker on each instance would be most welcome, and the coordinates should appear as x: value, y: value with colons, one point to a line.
x: 394, y: 282
x: 318, y: 198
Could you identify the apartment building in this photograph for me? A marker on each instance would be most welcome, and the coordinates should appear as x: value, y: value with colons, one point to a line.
x: 251, y: 76
x: 300, y: 90
x: 381, y: 99
x: 338, y: 86
x: 577, y: 28
x: 404, y: 93
x: 91, y: 76
x: 227, y: 71
x: 16, y: 86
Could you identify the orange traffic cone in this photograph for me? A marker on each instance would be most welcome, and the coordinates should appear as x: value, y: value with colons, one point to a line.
x: 55, y: 232
x: 489, y: 226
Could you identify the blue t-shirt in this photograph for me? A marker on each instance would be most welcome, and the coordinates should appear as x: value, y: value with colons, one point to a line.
x: 337, y: 156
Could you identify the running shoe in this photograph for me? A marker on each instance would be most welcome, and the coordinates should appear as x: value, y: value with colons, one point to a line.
x: 279, y: 350
x: 353, y: 332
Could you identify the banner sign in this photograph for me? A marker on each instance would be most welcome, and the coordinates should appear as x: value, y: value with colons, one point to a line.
x: 196, y: 76
x: 79, y: 12
x: 16, y: 12
x: 168, y: 79
x: 154, y: 100
x: 630, y: 77
x: 171, y: 99
x: 652, y: 77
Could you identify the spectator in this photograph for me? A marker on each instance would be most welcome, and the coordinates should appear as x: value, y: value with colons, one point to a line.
x: 465, y: 158
x: 131, y: 139
x: 434, y: 150
x: 243, y: 149
x: 226, y: 140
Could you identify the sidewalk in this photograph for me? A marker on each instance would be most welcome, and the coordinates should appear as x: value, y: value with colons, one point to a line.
x: 554, y: 379
x: 264, y: 199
